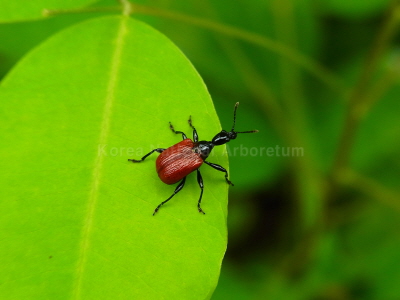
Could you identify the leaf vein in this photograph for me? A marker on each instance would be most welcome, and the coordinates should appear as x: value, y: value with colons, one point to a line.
x: 99, y: 160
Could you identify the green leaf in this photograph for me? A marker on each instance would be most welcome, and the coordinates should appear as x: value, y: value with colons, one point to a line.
x: 12, y: 11
x: 76, y: 215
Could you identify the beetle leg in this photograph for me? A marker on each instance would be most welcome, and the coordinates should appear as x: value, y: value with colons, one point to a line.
x: 159, y: 150
x: 200, y: 181
x: 222, y: 169
x: 178, y: 188
x: 177, y: 132
x: 195, y: 136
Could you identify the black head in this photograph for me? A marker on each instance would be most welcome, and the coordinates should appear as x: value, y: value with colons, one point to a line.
x: 223, y: 137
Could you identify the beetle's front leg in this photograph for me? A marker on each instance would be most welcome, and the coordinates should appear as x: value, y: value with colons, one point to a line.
x: 184, y: 137
x: 195, y: 136
x: 222, y: 169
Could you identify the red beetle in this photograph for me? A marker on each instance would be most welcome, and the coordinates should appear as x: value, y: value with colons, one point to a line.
x: 181, y: 159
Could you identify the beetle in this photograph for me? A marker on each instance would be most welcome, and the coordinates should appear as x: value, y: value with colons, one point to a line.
x: 176, y: 162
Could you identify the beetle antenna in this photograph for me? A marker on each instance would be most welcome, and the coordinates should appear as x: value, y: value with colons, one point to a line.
x: 234, y: 122
x: 250, y: 131
x: 234, y: 116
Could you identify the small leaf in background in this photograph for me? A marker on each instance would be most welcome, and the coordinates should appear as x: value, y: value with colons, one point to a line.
x: 76, y: 215
x: 19, y: 38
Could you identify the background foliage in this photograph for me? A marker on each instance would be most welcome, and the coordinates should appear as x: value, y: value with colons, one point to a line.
x: 321, y: 75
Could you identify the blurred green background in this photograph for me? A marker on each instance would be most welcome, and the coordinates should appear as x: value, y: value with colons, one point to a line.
x: 321, y: 75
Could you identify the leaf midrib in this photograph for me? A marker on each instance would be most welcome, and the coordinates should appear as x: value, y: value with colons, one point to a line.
x: 99, y: 160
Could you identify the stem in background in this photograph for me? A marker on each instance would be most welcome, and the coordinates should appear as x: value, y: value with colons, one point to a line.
x: 126, y: 7
x: 359, y: 94
x: 371, y: 188
x: 55, y: 12
x: 376, y: 92
x: 313, y: 67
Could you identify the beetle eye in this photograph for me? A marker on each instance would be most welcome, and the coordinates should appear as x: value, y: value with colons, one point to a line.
x: 232, y: 135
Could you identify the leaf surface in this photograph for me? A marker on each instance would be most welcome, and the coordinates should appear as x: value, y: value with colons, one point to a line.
x: 76, y: 215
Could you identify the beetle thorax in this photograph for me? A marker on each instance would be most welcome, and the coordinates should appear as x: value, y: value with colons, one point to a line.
x: 203, y: 148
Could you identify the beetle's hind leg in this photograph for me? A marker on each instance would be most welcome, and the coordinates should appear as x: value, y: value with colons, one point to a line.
x: 200, y: 182
x: 159, y: 150
x: 178, y: 189
x: 177, y: 132
x: 195, y: 136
